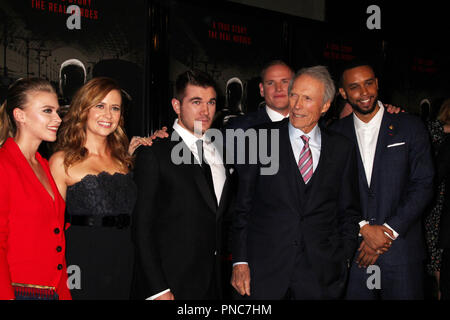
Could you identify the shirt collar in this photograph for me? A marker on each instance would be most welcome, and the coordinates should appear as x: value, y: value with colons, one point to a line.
x: 314, y: 134
x: 275, y: 116
x: 188, y: 137
x: 374, y: 122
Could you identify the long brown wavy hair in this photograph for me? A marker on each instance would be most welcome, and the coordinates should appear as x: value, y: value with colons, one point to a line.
x: 444, y: 112
x: 72, y: 133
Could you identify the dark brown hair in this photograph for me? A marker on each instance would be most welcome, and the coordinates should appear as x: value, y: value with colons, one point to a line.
x: 193, y: 77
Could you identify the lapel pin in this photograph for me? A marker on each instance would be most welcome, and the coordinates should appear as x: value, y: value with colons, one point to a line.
x: 391, y: 127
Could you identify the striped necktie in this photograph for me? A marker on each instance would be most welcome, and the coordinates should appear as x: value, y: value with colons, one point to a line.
x: 305, y: 162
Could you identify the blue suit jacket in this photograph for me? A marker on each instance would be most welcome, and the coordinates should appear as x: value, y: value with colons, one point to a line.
x: 401, y: 184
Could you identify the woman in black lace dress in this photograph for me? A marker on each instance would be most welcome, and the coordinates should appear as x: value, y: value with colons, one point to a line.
x: 439, y: 130
x: 92, y: 171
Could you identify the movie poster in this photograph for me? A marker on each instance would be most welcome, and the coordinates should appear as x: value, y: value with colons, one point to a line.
x: 44, y: 39
x: 232, y: 43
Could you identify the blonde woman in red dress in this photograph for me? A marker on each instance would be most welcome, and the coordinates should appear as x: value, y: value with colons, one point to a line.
x: 32, y: 242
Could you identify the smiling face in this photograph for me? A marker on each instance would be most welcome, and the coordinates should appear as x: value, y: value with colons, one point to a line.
x: 103, y: 118
x: 360, y: 89
x: 198, y: 106
x: 274, y: 87
x: 39, y: 118
x: 306, y: 103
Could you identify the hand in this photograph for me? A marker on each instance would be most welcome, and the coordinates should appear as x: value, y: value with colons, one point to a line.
x: 146, y: 141
x: 138, y: 141
x: 375, y: 237
x: 240, y: 279
x: 393, y: 109
x: 166, y: 296
x: 367, y: 256
x: 161, y: 133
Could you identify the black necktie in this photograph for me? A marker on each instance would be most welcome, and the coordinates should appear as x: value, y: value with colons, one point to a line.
x: 206, y: 168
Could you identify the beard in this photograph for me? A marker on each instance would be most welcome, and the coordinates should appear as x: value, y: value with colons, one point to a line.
x: 357, y: 109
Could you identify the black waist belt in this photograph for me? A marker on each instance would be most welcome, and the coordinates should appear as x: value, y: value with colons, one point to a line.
x: 120, y: 221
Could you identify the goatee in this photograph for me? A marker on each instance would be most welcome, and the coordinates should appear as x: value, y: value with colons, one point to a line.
x: 357, y: 109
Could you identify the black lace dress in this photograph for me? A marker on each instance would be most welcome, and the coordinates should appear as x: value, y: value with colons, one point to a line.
x: 99, y: 250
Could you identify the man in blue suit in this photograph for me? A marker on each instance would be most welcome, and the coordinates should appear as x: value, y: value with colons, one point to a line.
x: 396, y: 183
x: 275, y: 78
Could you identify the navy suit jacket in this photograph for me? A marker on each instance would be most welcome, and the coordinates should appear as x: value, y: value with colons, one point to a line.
x: 401, y: 183
x: 277, y: 216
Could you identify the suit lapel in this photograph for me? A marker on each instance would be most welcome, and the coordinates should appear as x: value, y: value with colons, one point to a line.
x: 326, y: 149
x: 200, y: 180
x: 198, y: 175
x: 351, y: 132
x: 264, y: 117
x: 385, y: 135
x: 287, y: 160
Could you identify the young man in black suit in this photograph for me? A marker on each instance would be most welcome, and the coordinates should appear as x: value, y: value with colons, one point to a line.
x: 184, y: 191
x: 294, y: 232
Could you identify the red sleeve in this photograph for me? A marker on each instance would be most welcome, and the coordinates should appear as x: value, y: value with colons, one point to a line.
x: 6, y: 291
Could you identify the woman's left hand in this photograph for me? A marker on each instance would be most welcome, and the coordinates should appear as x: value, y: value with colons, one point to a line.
x: 146, y: 141
x: 139, y: 141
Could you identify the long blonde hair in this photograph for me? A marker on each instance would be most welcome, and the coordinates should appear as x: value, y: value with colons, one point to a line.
x: 72, y: 134
x: 17, y: 97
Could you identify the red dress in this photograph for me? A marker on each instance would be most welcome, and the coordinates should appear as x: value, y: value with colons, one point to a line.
x: 32, y: 243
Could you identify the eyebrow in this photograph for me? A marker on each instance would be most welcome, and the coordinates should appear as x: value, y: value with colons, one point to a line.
x: 356, y: 83
x: 102, y: 102
x: 199, y: 98
x: 49, y: 106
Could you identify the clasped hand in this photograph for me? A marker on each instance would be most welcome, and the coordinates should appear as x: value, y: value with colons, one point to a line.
x: 375, y: 242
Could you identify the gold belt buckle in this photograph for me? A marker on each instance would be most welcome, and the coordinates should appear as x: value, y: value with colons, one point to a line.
x: 22, y: 285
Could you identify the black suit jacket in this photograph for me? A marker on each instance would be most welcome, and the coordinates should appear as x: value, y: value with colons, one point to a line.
x: 176, y: 224
x: 249, y: 120
x: 278, y: 216
x: 401, y: 185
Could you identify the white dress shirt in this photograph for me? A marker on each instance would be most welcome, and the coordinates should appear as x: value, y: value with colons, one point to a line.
x: 275, y: 116
x: 214, y: 159
x: 315, y: 142
x: 212, y: 156
x: 367, y: 136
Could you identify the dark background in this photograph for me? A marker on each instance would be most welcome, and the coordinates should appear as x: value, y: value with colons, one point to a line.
x: 144, y: 44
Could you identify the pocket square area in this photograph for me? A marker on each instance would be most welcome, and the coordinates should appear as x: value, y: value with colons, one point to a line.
x: 396, y: 144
